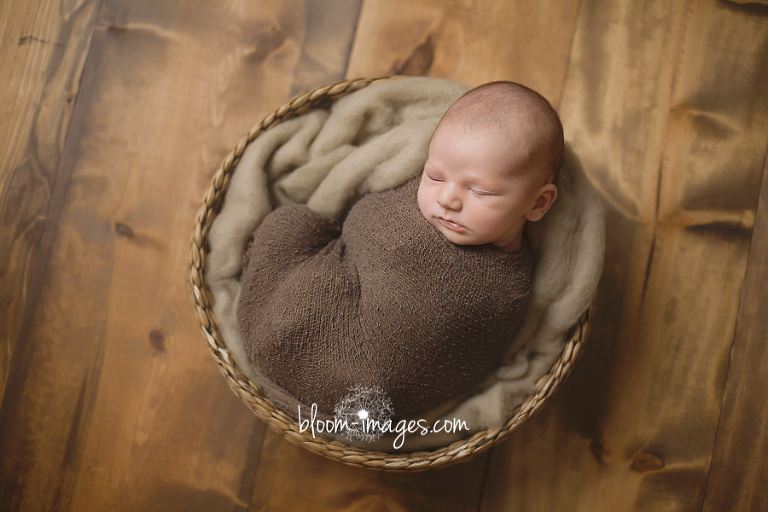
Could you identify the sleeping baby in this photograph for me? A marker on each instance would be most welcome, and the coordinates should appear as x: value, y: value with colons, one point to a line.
x: 420, y: 290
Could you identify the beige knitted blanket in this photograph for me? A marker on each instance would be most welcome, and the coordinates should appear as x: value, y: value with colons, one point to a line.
x: 374, y: 140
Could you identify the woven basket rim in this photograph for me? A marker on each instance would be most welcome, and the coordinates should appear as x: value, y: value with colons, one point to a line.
x: 461, y: 450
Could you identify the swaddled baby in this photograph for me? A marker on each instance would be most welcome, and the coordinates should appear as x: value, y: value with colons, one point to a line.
x: 420, y: 290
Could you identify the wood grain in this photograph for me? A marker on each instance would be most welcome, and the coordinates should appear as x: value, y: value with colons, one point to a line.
x: 467, y: 41
x: 117, y: 405
x: 43, y: 46
x: 738, y: 479
x: 115, y: 115
x: 678, y: 164
x: 291, y: 478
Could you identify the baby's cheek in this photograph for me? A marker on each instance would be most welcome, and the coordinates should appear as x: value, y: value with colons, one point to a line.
x: 423, y: 201
x: 486, y: 221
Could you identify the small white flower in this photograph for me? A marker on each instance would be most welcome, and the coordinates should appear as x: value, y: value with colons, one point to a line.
x: 367, y: 412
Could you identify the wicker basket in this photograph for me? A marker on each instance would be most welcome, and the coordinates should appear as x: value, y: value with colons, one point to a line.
x: 458, y: 451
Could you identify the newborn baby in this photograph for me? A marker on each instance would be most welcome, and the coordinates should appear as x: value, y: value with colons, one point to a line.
x: 422, y: 288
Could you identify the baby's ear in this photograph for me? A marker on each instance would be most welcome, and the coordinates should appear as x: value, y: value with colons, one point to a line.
x: 544, y: 199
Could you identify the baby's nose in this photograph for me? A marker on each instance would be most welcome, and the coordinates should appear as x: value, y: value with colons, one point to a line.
x: 448, y: 197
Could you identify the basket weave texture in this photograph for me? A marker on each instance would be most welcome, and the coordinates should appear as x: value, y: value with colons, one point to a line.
x: 458, y: 451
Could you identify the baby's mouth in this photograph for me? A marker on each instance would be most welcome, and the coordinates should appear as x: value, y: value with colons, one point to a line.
x: 453, y: 226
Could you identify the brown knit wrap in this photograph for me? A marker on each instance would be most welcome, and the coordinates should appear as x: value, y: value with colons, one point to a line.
x: 386, y: 302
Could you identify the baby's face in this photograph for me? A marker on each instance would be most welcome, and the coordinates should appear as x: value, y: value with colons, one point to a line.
x: 474, y: 188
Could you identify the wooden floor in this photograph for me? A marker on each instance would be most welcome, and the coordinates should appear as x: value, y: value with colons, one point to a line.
x: 114, y: 115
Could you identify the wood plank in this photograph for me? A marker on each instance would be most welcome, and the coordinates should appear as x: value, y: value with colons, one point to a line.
x: 114, y: 402
x: 291, y: 478
x: 664, y: 103
x: 43, y: 46
x: 467, y: 41
x: 330, y: 27
x: 738, y: 479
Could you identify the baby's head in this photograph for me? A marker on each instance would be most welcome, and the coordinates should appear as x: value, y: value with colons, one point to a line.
x: 491, y: 165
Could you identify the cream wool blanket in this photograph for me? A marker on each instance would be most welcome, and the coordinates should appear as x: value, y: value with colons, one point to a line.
x: 373, y: 140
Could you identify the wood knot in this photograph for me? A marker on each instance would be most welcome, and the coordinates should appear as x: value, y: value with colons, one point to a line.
x: 123, y: 230
x: 645, y: 462
x: 267, y: 43
x: 420, y: 61
x: 117, y: 29
x: 157, y: 340
x: 598, y: 451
